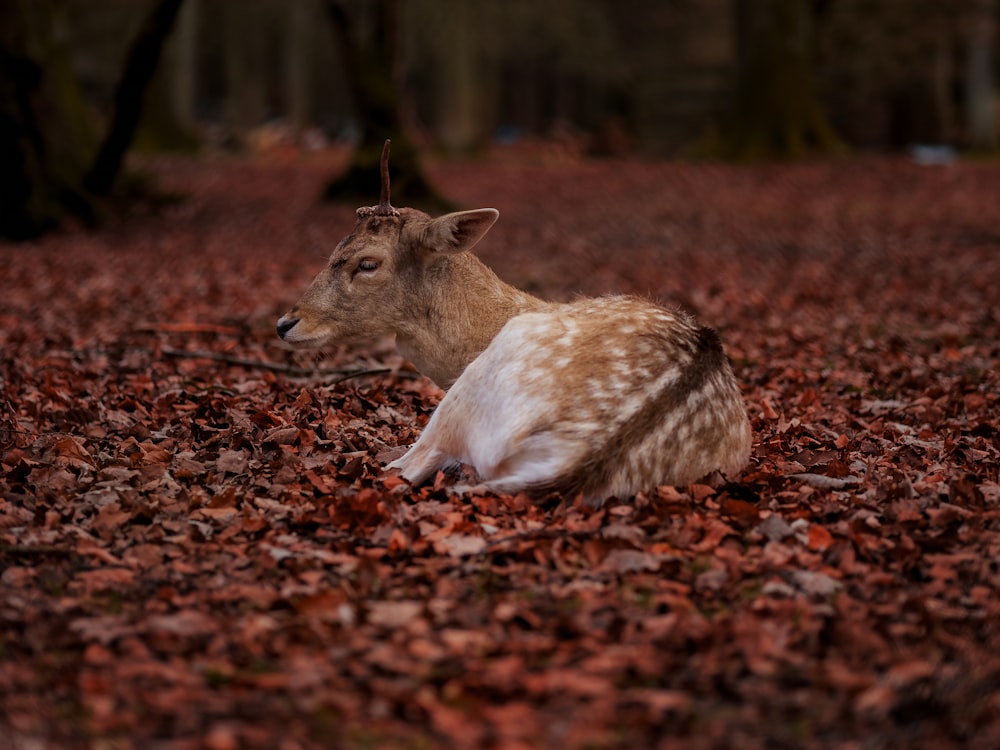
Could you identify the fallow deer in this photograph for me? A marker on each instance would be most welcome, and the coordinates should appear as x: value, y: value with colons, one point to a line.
x: 605, y: 397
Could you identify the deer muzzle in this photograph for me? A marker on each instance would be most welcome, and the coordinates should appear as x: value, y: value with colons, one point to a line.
x: 285, y: 324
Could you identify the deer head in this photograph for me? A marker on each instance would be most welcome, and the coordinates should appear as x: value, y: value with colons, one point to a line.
x: 402, y: 272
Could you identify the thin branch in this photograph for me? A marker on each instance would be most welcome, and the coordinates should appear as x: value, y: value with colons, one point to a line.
x: 494, y: 545
x: 299, y: 372
x: 361, y: 374
x: 34, y: 550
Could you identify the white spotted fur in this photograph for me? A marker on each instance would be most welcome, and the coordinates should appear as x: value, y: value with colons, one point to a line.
x: 530, y: 410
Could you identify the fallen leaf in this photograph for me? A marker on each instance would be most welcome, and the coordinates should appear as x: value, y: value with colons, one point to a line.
x: 459, y: 545
x: 775, y: 528
x: 819, y: 537
x: 629, y: 561
x: 394, y: 614
x: 818, y: 584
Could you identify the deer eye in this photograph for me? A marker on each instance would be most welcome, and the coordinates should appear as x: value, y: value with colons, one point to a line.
x: 367, y: 264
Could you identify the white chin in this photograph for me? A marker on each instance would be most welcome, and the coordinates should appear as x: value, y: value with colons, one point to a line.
x: 304, y: 342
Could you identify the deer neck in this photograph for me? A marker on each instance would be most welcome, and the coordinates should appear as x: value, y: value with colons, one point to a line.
x: 463, y: 310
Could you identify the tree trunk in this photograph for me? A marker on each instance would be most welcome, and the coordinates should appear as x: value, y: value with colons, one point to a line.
x: 45, y: 134
x: 168, y: 117
x: 297, y: 66
x: 459, y: 119
x: 244, y: 53
x: 139, y: 68
x: 942, y: 75
x: 372, y: 79
x: 184, y: 88
x: 778, y: 112
x: 980, y: 84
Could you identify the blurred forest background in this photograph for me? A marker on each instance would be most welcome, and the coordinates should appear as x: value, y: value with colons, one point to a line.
x: 84, y: 83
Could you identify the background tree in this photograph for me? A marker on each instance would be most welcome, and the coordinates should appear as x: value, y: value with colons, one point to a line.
x: 767, y: 77
x: 168, y: 121
x: 980, y: 76
x: 143, y: 58
x: 296, y: 69
x: 778, y: 109
x: 45, y: 136
x: 447, y: 56
x: 53, y: 165
x: 369, y: 55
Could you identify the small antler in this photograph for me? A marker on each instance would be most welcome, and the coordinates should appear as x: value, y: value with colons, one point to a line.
x: 384, y: 208
x: 383, y: 201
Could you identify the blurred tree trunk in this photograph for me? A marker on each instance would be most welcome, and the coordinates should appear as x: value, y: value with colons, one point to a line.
x: 184, y: 90
x: 460, y: 100
x: 168, y: 117
x: 46, y: 141
x: 140, y: 66
x: 243, y: 55
x: 297, y: 65
x: 45, y: 134
x: 778, y: 111
x: 369, y: 60
x: 942, y: 75
x: 980, y: 83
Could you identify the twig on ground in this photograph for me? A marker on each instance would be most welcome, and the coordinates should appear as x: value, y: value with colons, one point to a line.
x: 34, y: 550
x: 300, y: 372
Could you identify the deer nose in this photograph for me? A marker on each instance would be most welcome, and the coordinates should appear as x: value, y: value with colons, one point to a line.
x: 285, y: 324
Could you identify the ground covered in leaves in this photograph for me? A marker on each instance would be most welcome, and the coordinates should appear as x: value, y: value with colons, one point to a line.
x: 198, y: 548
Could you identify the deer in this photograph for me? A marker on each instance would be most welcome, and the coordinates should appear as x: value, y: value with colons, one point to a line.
x: 599, y: 397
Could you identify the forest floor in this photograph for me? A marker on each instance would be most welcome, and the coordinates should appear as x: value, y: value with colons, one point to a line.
x: 198, y: 547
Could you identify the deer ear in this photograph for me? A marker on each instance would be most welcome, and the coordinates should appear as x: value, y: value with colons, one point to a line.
x: 459, y: 231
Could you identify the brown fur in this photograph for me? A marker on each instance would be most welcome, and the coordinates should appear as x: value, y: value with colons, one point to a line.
x: 442, y: 303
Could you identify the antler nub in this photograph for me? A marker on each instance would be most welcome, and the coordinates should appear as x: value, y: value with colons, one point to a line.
x: 384, y: 208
